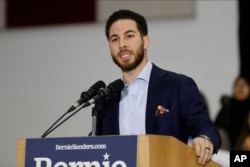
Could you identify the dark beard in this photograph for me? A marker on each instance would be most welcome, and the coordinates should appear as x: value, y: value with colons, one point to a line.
x: 126, y: 67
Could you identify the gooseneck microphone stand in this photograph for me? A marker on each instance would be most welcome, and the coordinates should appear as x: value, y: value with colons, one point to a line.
x: 95, y: 112
x: 57, y: 123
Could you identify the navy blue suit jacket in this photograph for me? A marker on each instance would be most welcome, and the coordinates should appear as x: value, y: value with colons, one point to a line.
x: 177, y: 93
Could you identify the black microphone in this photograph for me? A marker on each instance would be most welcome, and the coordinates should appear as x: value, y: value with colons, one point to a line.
x: 113, y: 88
x: 85, y: 96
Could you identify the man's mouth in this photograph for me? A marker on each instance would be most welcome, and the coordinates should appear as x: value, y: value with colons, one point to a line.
x: 125, y: 55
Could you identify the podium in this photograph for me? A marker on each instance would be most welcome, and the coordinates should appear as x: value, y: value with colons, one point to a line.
x: 107, y: 151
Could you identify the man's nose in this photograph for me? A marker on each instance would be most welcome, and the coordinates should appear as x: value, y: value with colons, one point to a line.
x: 122, y: 44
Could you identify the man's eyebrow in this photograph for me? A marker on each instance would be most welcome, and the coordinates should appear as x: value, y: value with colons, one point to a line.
x: 129, y: 31
x: 126, y: 32
x: 114, y: 35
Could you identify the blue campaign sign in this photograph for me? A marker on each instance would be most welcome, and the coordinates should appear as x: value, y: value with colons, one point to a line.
x: 102, y: 151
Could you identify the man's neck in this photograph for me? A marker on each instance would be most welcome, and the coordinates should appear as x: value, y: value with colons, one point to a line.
x: 130, y: 76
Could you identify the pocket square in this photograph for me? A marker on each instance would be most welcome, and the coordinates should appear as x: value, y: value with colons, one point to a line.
x: 161, y: 110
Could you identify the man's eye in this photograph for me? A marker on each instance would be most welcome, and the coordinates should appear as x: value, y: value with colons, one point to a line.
x: 130, y: 36
x: 113, y: 40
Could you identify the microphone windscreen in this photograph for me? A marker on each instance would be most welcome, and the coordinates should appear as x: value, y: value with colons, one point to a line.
x: 98, y: 85
x: 116, y: 86
x: 93, y: 89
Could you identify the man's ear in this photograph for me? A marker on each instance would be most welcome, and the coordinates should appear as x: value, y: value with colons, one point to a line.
x: 146, y: 41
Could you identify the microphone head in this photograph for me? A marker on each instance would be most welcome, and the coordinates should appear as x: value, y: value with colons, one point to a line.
x: 113, y: 88
x: 93, y: 90
x: 116, y: 86
x: 98, y: 85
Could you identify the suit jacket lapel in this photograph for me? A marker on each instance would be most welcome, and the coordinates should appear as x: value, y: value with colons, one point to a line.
x: 154, y: 93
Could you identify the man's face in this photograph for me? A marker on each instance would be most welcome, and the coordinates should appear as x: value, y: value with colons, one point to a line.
x: 126, y: 44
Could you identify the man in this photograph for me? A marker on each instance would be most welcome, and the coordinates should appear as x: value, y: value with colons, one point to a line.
x: 153, y: 101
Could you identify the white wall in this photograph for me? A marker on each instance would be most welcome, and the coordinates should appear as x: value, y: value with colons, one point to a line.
x: 44, y: 70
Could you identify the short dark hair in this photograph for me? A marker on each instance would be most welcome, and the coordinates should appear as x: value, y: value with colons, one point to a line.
x: 127, y: 14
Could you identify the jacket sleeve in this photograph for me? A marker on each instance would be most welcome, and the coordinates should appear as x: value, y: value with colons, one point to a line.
x: 193, y: 113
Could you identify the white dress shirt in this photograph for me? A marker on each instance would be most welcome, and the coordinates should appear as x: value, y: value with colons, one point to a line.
x: 132, y: 107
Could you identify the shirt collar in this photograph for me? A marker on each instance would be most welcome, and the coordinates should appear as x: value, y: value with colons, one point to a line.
x: 145, y: 73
